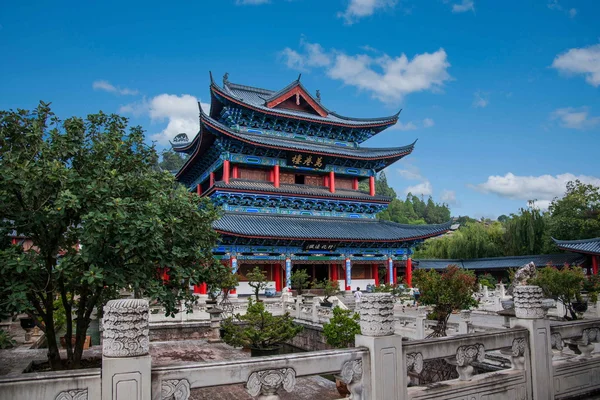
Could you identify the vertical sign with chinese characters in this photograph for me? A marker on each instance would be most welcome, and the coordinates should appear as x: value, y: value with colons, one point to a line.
x: 288, y: 273
x: 306, y: 160
x: 391, y: 273
x: 348, y: 275
x: 234, y: 265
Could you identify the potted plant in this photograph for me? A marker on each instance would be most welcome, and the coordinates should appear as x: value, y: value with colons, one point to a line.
x: 330, y: 288
x: 259, y: 330
x: 339, y: 333
x: 299, y: 279
x: 219, y: 279
x: 257, y: 280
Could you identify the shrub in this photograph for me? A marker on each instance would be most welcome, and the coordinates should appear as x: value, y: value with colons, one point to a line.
x: 341, y: 328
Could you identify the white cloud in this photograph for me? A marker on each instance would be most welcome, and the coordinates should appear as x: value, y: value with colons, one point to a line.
x: 251, y: 2
x: 428, y: 123
x: 575, y: 118
x: 464, y: 6
x: 584, y: 61
x: 408, y: 126
x: 180, y: 112
x: 363, y: 8
x: 542, y: 188
x: 449, y: 197
x: 555, y: 5
x: 424, y: 189
x: 387, y: 78
x: 411, y: 173
x: 108, y: 87
x: 572, y: 12
x: 481, y: 99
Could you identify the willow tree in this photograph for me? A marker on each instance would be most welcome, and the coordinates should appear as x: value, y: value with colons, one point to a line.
x: 101, y: 216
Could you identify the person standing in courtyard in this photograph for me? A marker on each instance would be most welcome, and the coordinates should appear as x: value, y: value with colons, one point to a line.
x: 416, y: 295
x: 357, y: 296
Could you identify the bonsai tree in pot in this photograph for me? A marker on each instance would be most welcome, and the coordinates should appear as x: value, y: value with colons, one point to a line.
x: 299, y: 280
x: 449, y: 291
x: 257, y: 280
x: 563, y: 285
x: 219, y: 277
x: 330, y: 288
x: 259, y: 330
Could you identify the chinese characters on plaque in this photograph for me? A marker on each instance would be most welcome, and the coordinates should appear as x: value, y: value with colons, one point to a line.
x: 319, y: 246
x: 306, y: 160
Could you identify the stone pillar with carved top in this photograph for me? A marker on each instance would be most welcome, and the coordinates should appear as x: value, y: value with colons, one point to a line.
x: 125, y: 346
x: 531, y: 316
x: 386, y: 376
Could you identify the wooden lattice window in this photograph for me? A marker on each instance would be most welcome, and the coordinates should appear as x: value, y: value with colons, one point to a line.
x: 343, y: 183
x: 252, y: 174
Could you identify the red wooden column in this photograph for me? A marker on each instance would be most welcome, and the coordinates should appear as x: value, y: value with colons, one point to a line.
x: 277, y: 277
x: 201, y: 288
x: 395, y: 274
x: 354, y: 183
x: 375, y: 269
x: 276, y: 175
x: 226, y: 171
x: 211, y: 179
x: 332, y: 181
x: 236, y: 172
x: 595, y: 264
x: 198, y: 190
x: 409, y: 272
x: 372, y: 185
x: 334, y: 272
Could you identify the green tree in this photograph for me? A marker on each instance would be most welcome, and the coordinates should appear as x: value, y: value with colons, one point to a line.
x: 563, y: 285
x: 257, y: 280
x: 577, y: 214
x: 474, y: 240
x: 299, y: 280
x: 330, y: 288
x: 172, y: 161
x: 341, y: 329
x: 526, y: 233
x: 449, y: 291
x: 258, y: 328
x: 101, y: 218
x: 382, y: 188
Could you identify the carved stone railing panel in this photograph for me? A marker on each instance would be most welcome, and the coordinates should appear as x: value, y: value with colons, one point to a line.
x: 465, y: 355
x: 352, y: 373
x: 267, y: 383
x: 78, y: 394
x: 556, y: 341
x: 518, y: 349
x: 174, y: 389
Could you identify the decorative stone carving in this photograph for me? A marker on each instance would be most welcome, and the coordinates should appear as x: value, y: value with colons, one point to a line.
x: 377, y: 314
x: 465, y: 315
x: 556, y: 341
x: 175, y: 389
x: 79, y: 394
x: 352, y: 376
x: 414, y: 362
x: 126, y: 329
x: 268, y: 382
x: 518, y: 353
x: 529, y: 302
x: 465, y: 355
x: 590, y: 335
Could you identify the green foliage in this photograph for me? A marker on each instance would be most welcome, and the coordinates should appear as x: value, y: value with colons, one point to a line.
x: 172, y: 161
x: 473, y: 240
x: 218, y: 278
x: 6, y: 341
x: 90, y: 191
x: 258, y: 328
x: 446, y: 292
x: 299, y: 280
x: 563, y: 284
x: 526, y: 232
x: 592, y: 286
x: 257, y: 280
x: 487, y: 280
x: 577, y: 214
x: 396, y: 290
x: 339, y: 332
x: 330, y: 288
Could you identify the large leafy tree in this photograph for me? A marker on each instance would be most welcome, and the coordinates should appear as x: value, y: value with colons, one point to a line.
x: 172, y: 161
x: 101, y: 216
x: 577, y: 214
x: 526, y: 232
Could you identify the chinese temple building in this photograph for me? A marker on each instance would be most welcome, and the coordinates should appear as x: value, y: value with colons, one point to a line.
x: 587, y: 247
x: 286, y: 172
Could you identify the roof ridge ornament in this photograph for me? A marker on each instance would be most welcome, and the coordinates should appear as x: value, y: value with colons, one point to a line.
x: 299, y: 76
x: 318, y: 95
x: 226, y: 79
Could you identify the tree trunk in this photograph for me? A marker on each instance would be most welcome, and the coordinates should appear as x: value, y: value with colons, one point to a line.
x: 51, y: 339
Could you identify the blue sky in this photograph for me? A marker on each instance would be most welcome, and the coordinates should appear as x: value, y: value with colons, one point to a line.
x: 504, y: 97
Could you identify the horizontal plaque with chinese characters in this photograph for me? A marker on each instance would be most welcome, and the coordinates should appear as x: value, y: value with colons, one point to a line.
x: 306, y: 160
x: 312, y: 246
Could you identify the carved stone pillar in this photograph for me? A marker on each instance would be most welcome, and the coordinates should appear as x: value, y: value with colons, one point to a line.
x: 386, y: 376
x: 352, y: 376
x: 125, y: 358
x: 528, y: 302
x: 265, y: 384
